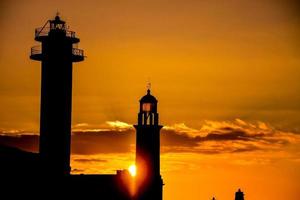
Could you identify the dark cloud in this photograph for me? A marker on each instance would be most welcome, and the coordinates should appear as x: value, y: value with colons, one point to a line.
x: 102, y: 142
x: 219, y: 137
x: 25, y: 142
x: 230, y: 135
x: 172, y: 138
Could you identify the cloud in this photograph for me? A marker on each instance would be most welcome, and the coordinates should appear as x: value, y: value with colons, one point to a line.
x: 16, y: 133
x: 101, y: 163
x: 180, y: 128
x: 108, y: 141
x: 227, y: 137
x: 213, y: 137
x: 27, y: 142
x: 118, y: 125
x: 88, y: 160
x: 107, y: 126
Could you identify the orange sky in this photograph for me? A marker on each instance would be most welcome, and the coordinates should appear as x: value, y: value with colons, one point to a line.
x: 214, y: 66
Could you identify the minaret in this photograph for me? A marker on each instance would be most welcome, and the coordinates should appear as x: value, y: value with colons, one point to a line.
x: 239, y: 195
x: 57, y: 53
x: 149, y: 181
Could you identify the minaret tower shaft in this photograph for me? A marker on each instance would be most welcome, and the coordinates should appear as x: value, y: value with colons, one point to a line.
x: 57, y: 53
x: 149, y: 181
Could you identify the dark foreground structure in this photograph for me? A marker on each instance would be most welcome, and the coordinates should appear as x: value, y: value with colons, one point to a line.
x: 48, y: 172
x: 44, y: 175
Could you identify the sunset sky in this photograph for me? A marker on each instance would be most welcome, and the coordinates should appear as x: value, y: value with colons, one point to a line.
x: 225, y: 73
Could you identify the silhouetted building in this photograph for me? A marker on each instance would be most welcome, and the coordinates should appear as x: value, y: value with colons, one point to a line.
x: 57, y: 53
x: 239, y: 195
x: 49, y: 169
x: 149, y: 181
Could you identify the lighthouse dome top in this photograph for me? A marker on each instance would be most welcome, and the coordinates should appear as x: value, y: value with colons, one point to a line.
x: 148, y: 98
x: 57, y: 20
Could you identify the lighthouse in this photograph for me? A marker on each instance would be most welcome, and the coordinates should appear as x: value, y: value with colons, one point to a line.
x: 148, y: 179
x: 57, y: 52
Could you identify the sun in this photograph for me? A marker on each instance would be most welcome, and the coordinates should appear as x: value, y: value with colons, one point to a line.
x: 132, y: 170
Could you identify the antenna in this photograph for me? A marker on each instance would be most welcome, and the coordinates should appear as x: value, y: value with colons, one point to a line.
x: 148, y: 84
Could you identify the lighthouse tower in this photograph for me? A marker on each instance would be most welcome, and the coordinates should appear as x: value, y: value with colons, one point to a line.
x: 148, y: 179
x: 57, y: 53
